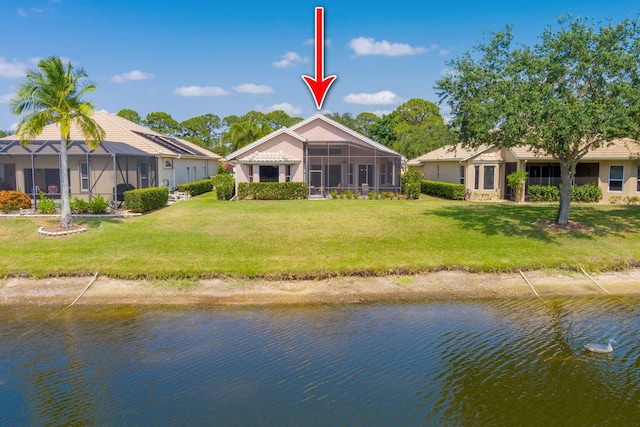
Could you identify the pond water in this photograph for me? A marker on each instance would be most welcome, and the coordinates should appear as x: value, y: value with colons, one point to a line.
x: 449, y: 363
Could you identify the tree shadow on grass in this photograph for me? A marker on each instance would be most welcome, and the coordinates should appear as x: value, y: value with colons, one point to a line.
x: 94, y: 223
x: 524, y: 220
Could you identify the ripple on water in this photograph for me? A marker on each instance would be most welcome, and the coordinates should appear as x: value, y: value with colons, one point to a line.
x: 478, y: 362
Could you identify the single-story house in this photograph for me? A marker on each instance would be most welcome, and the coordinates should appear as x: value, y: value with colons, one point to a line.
x: 483, y: 170
x: 131, y: 156
x: 322, y: 153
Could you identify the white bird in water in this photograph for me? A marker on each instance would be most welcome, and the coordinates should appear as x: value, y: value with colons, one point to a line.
x: 600, y: 348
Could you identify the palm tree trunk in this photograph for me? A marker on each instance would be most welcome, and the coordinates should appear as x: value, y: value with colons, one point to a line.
x: 66, y: 221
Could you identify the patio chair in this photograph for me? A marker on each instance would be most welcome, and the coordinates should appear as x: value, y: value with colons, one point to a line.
x: 119, y: 190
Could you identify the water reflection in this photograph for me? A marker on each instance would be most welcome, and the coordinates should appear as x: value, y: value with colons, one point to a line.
x: 493, y: 362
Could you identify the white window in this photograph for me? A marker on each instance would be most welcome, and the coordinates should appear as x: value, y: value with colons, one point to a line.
x: 250, y: 173
x: 84, y: 176
x: 461, y: 174
x: 287, y: 177
x: 616, y: 175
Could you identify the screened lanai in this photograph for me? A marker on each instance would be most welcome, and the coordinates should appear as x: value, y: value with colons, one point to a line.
x: 35, y: 168
x: 350, y: 165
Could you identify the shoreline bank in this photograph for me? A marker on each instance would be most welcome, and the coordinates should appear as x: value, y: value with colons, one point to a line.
x: 341, y: 290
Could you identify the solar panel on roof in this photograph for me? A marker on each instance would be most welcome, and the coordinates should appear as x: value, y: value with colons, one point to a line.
x: 164, y: 142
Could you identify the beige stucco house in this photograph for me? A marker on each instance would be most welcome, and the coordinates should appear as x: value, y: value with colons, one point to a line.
x: 483, y: 171
x: 130, y: 156
x: 322, y: 153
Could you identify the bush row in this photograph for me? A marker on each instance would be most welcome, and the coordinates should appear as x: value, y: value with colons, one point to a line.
x: 146, y: 199
x: 273, y: 190
x: 579, y: 193
x: 195, y: 188
x: 446, y: 190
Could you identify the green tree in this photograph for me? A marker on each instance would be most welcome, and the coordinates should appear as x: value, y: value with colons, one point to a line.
x: 364, y: 121
x: 4, y: 133
x: 163, y: 123
x: 202, y: 130
x: 246, y: 129
x: 130, y: 115
x: 53, y: 94
x: 576, y: 90
x: 417, y: 140
x: 278, y: 118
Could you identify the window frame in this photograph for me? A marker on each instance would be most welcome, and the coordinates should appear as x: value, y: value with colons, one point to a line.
x: 616, y: 180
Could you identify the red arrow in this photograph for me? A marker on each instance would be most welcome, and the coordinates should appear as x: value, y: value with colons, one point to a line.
x: 319, y: 86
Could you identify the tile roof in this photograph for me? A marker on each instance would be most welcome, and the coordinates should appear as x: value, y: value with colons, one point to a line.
x: 123, y: 131
x: 269, y: 157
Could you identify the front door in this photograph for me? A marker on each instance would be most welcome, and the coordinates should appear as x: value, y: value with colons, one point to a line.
x: 366, y: 176
x: 315, y: 181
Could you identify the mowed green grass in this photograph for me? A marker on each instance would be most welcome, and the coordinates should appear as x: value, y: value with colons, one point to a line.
x: 204, y: 237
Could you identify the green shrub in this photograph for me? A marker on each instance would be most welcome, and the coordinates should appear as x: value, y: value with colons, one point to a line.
x: 579, y: 193
x: 14, y: 200
x: 334, y: 194
x: 372, y: 195
x: 46, y: 205
x: 195, y: 188
x: 589, y: 193
x: 544, y: 193
x: 97, y: 205
x: 225, y: 186
x: 146, y: 199
x: 516, y: 181
x: 445, y: 190
x: 79, y: 206
x: 411, y: 186
x: 273, y: 190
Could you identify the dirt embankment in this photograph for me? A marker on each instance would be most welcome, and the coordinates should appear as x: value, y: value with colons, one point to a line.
x: 436, y: 285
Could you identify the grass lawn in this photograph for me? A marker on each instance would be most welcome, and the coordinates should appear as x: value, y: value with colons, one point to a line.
x: 204, y: 237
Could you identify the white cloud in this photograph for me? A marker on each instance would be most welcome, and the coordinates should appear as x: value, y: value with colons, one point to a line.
x: 200, y: 91
x: 251, y: 88
x: 287, y: 108
x: 290, y: 59
x: 12, y: 70
x: 384, y: 97
x: 368, y: 46
x: 25, y: 13
x: 131, y: 76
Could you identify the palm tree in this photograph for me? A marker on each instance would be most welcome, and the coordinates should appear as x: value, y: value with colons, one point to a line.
x: 53, y: 94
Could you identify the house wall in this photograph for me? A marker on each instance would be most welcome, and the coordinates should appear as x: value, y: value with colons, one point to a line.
x: 629, y: 183
x: 174, y: 171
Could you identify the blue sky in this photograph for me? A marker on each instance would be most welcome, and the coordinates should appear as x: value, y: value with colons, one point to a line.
x: 189, y: 58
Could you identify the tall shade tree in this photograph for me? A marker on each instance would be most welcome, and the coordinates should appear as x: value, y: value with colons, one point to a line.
x: 53, y: 94
x: 576, y: 90
x: 131, y: 115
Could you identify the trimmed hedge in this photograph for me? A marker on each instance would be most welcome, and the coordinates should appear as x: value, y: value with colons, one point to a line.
x: 225, y: 186
x: 589, y: 193
x: 273, y: 190
x: 445, y: 190
x: 195, y: 188
x: 146, y: 199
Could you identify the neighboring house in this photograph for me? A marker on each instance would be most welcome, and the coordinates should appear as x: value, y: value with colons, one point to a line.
x: 483, y: 171
x: 322, y: 153
x: 130, y: 156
